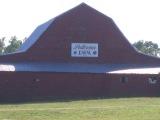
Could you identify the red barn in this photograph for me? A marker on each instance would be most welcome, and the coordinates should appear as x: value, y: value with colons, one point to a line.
x: 80, y: 53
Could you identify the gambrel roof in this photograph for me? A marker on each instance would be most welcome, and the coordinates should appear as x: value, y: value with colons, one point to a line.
x: 49, y: 46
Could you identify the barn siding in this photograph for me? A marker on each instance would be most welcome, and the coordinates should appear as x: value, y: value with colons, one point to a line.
x: 29, y: 85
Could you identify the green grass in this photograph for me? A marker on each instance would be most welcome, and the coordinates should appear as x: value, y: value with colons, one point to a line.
x: 98, y: 109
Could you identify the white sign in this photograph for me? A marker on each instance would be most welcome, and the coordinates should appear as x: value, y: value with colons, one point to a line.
x: 84, y: 49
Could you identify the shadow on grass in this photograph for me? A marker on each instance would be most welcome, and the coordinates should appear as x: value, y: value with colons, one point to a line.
x: 61, y: 99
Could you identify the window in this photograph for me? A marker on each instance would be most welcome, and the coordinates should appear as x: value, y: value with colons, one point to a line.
x: 36, y: 79
x: 124, y: 79
x: 152, y: 80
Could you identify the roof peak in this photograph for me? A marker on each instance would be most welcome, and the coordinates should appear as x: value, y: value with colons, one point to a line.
x: 83, y: 4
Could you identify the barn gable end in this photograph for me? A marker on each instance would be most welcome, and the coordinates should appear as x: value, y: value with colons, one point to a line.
x: 54, y: 40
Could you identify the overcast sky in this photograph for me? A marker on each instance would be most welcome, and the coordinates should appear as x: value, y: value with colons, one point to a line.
x: 137, y: 19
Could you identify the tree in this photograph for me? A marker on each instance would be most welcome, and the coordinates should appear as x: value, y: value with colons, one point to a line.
x: 13, y: 46
x: 147, y: 47
x: 2, y: 45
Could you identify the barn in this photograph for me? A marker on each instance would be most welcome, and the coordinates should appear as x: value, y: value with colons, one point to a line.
x: 80, y: 53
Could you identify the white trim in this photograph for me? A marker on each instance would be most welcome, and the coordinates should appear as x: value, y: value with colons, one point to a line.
x: 7, y: 68
x: 137, y: 71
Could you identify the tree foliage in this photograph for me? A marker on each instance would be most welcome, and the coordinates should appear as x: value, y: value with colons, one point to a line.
x: 13, y: 46
x: 2, y: 45
x: 147, y: 47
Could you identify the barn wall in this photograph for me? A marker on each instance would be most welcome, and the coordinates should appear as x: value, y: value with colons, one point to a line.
x: 137, y: 85
x: 25, y: 85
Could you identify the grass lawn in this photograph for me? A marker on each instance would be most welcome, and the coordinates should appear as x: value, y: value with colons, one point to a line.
x: 98, y: 109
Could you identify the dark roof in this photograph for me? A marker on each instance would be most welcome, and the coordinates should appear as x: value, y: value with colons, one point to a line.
x: 34, y: 36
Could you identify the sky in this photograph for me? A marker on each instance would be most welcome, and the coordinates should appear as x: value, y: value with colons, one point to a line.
x: 137, y: 19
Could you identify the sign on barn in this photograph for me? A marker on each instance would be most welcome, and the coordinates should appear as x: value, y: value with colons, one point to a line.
x: 84, y: 49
